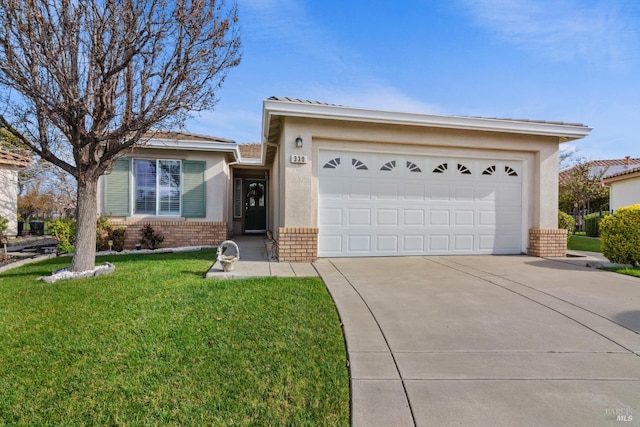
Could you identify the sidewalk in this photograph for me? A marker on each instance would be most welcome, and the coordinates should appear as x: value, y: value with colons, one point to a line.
x: 254, y: 262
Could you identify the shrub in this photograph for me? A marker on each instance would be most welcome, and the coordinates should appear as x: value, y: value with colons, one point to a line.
x: 621, y: 235
x: 566, y: 221
x: 4, y: 225
x: 105, y: 232
x: 64, y: 230
x: 150, y: 239
x: 592, y: 223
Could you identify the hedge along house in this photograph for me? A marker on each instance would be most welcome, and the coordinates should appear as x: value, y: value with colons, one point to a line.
x: 334, y: 181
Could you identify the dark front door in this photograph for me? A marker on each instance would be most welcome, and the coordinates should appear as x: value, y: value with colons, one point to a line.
x: 255, y: 205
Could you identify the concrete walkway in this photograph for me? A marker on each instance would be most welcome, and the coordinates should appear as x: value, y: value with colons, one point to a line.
x: 488, y: 341
x: 255, y: 262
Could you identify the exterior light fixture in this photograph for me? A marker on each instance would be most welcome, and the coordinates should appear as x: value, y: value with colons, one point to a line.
x: 299, y: 142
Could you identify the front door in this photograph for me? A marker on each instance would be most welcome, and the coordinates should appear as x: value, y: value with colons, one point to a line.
x: 255, y: 206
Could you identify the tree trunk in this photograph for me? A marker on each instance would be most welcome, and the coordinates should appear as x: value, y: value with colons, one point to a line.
x: 84, y: 256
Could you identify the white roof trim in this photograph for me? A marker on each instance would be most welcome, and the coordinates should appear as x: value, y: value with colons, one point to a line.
x: 194, y: 145
x: 321, y: 111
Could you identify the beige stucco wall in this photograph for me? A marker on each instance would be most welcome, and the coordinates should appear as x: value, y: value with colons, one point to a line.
x: 624, y: 193
x: 298, y: 190
x: 216, y: 178
x: 9, y: 197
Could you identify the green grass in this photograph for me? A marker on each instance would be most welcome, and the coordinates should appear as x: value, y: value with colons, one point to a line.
x: 583, y: 243
x: 635, y: 272
x: 157, y: 344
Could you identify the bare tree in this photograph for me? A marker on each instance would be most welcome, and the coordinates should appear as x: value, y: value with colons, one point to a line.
x: 94, y: 76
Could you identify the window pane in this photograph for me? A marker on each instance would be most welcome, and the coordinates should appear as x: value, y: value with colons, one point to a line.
x: 169, y: 187
x: 145, y: 190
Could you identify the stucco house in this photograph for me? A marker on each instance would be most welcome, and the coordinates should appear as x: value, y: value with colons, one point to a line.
x: 624, y: 188
x: 10, y: 164
x: 335, y: 181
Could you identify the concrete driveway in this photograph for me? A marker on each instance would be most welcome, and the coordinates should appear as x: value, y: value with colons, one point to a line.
x: 488, y: 341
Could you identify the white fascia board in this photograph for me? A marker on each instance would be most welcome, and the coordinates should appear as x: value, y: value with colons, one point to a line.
x: 194, y: 145
x: 320, y: 111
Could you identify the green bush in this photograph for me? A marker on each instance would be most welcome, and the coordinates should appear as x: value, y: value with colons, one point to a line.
x: 4, y: 225
x: 620, y: 235
x: 592, y: 223
x: 106, y: 232
x: 64, y: 230
x: 566, y: 221
x: 150, y: 239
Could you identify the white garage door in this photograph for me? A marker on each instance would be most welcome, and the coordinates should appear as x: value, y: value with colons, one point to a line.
x: 386, y: 205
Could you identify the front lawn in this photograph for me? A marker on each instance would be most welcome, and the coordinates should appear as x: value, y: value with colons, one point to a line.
x: 583, y: 243
x: 635, y: 272
x: 155, y: 343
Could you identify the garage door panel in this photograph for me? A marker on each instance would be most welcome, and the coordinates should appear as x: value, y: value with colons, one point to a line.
x: 413, y: 243
x: 387, y: 243
x: 387, y: 191
x: 464, y: 217
x: 463, y: 242
x: 358, y: 217
x: 439, y: 217
x: 359, y: 191
x: 331, y: 190
x: 486, y: 242
x: 487, y: 217
x: 330, y: 217
x: 412, y: 191
x: 375, y: 204
x: 439, y: 243
x: 387, y: 217
x: 440, y: 192
x: 413, y: 217
x: 359, y: 244
x: 463, y: 193
x: 331, y: 244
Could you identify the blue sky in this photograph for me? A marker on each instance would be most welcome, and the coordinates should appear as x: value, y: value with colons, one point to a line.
x: 567, y: 60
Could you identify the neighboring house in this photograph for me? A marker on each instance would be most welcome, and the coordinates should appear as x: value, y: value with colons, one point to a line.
x: 624, y: 188
x: 334, y: 181
x: 10, y: 164
x: 606, y: 167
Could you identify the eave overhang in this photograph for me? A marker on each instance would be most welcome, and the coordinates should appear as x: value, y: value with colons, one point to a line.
x: 278, y: 108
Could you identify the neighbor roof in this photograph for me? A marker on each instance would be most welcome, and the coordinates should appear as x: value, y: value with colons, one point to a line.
x: 13, y: 159
x: 282, y: 106
x: 611, y: 168
x: 626, y: 174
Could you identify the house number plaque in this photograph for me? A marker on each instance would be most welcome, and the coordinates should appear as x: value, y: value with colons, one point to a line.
x: 296, y: 158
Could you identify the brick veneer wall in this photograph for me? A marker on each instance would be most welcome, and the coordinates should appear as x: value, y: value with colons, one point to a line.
x: 176, y: 233
x: 547, y: 242
x: 297, y: 244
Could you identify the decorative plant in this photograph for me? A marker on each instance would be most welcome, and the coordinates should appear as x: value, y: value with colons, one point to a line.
x: 4, y: 224
x: 150, y: 239
x: 64, y: 230
x: 105, y: 232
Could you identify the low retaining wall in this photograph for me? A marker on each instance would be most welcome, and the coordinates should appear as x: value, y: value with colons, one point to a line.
x: 176, y: 233
x: 297, y: 244
x: 547, y: 242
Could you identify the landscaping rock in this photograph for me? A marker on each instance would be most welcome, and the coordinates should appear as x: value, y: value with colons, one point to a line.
x: 65, y: 273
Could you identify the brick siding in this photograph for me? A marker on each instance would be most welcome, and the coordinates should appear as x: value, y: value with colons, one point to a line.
x: 176, y: 233
x: 547, y: 242
x: 297, y: 244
